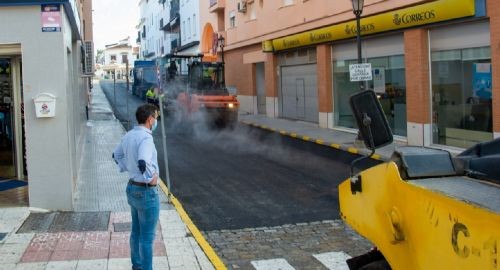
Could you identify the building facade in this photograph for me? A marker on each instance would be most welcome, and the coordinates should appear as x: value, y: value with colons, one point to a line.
x: 153, y: 17
x: 43, y: 54
x: 435, y: 64
x: 116, y: 56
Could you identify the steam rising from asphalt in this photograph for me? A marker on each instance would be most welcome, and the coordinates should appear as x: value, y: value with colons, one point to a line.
x: 241, y: 140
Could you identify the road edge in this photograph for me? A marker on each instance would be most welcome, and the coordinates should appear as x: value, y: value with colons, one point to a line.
x: 195, y: 232
x: 338, y: 146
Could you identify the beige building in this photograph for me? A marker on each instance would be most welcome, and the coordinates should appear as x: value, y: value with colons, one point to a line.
x: 435, y: 64
x: 45, y: 67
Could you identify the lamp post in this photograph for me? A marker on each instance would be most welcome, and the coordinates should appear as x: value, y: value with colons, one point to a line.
x: 221, y: 43
x: 357, y: 9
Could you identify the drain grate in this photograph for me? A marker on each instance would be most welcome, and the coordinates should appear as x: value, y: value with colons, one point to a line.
x: 65, y: 222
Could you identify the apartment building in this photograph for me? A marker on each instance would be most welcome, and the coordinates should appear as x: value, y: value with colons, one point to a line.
x: 435, y: 64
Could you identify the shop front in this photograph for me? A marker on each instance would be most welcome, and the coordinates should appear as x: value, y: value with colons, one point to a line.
x: 36, y: 139
x: 440, y: 96
x: 461, y: 84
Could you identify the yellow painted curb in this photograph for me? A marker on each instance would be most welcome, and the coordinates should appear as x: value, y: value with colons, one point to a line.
x: 352, y: 150
x: 205, y: 246
x: 334, y: 145
x: 306, y: 138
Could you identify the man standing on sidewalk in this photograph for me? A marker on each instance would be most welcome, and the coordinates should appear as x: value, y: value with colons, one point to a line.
x: 137, y: 155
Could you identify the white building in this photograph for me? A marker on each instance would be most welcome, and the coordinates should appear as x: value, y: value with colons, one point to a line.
x: 154, y: 16
x: 116, y: 57
x: 190, y: 26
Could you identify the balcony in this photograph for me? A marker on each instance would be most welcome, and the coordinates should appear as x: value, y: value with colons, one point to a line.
x: 217, y: 5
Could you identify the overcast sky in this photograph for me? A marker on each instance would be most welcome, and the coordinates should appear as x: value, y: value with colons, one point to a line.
x: 114, y: 20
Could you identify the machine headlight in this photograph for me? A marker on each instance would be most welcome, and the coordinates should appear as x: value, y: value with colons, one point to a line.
x: 230, y: 105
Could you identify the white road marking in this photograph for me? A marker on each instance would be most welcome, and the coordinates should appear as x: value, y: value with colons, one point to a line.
x: 333, y: 260
x: 274, y: 264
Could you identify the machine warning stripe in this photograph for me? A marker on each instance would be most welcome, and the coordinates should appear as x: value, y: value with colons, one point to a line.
x: 204, y: 245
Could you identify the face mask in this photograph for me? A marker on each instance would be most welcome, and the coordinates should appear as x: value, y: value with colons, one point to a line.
x: 155, y: 125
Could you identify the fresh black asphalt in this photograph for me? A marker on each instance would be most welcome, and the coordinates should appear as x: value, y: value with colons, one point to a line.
x: 246, y: 177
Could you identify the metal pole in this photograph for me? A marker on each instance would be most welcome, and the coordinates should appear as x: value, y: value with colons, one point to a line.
x: 114, y: 88
x: 358, y: 40
x: 223, y: 68
x: 127, y: 93
x: 164, y: 141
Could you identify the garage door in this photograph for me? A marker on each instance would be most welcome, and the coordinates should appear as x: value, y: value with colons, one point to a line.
x: 298, y: 93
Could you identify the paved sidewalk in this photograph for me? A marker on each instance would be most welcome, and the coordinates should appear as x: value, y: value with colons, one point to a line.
x: 95, y: 236
x: 311, y: 132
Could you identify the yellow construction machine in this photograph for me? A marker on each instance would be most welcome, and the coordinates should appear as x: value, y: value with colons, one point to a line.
x: 424, y: 209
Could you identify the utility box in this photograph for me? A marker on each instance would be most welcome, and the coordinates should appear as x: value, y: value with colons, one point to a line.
x: 45, y: 105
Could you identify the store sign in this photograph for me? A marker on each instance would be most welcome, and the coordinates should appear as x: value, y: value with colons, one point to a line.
x: 51, y: 18
x: 360, y: 72
x: 431, y: 12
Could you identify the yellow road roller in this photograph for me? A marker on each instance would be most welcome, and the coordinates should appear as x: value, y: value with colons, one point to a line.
x: 424, y: 209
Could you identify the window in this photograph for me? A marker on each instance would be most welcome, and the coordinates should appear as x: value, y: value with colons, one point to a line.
x: 388, y: 83
x: 113, y: 57
x: 188, y: 27
x: 194, y: 25
x: 124, y: 58
x: 232, y: 19
x: 183, y: 30
x: 461, y: 96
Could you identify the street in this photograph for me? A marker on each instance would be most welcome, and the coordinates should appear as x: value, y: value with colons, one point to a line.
x: 249, y: 181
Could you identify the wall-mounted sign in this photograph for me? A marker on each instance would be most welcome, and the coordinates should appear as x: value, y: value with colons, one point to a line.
x: 482, y: 80
x: 51, y: 18
x: 360, y: 72
x: 431, y: 12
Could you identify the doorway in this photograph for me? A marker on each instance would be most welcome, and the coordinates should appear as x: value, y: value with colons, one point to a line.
x: 13, y: 173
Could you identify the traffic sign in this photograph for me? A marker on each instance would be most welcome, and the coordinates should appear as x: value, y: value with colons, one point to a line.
x: 360, y: 72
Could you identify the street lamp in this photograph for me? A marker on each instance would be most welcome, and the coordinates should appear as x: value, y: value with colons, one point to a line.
x: 357, y: 9
x: 221, y: 42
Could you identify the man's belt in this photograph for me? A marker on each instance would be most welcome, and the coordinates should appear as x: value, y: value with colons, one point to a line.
x: 132, y: 182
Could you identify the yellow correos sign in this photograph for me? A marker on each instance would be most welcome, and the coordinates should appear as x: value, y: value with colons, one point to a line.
x: 432, y: 12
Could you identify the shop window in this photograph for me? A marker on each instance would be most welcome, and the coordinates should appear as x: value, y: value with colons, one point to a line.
x: 388, y: 83
x: 461, y: 96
